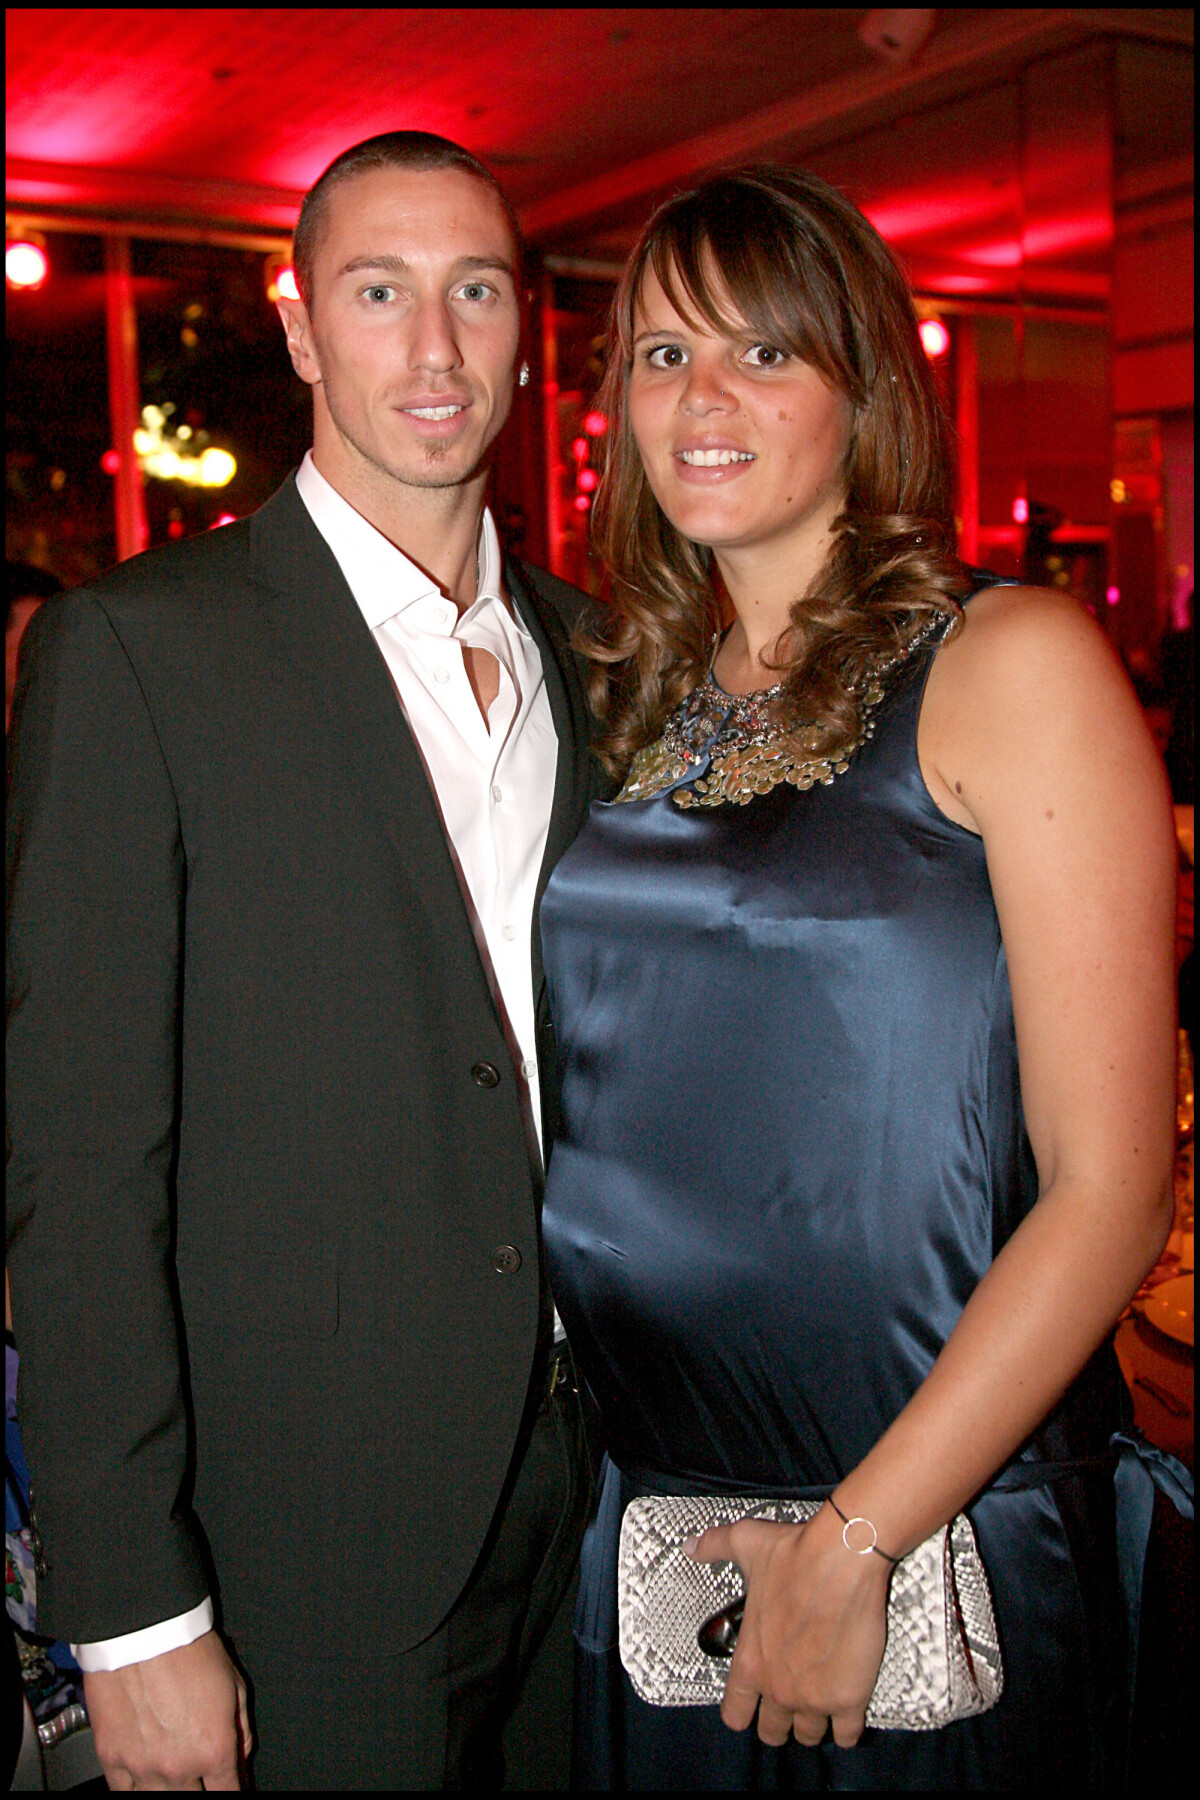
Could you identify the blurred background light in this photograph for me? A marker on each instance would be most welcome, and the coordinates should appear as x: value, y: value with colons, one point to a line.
x: 26, y: 264
x: 935, y: 339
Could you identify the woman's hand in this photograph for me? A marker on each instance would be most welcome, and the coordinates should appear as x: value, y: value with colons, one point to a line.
x: 813, y: 1635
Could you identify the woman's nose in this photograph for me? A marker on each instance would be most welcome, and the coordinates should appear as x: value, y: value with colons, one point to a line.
x: 704, y: 393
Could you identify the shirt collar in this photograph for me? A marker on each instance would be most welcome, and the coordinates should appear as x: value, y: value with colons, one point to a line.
x: 382, y: 579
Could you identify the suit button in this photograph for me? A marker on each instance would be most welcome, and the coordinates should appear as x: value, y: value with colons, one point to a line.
x: 506, y: 1259
x: 485, y: 1075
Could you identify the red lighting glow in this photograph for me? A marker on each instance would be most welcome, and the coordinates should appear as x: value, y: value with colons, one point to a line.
x: 110, y: 462
x: 588, y: 479
x: 582, y: 503
x: 1112, y: 595
x: 1020, y: 510
x: 224, y: 519
x: 580, y: 449
x: 25, y: 264
x: 935, y: 339
x: 285, y: 284
x: 595, y: 424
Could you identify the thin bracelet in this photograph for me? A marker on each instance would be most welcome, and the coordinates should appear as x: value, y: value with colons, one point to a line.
x: 867, y: 1548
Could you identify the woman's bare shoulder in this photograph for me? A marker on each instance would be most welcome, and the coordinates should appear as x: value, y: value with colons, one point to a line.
x: 1030, y: 682
x: 1022, y: 646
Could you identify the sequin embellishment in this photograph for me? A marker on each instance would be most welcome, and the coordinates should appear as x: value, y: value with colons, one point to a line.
x: 746, y: 751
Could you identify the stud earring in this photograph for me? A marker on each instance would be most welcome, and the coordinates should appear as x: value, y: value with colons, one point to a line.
x: 523, y: 377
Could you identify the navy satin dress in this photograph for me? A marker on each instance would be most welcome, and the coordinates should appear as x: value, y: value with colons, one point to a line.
x: 791, y: 1144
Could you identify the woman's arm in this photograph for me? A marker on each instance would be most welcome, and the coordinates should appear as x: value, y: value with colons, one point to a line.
x: 1031, y: 736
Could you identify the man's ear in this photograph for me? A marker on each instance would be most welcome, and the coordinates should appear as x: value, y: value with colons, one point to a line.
x: 297, y: 327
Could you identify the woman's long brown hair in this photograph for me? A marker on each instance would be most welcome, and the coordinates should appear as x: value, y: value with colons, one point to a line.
x: 808, y: 274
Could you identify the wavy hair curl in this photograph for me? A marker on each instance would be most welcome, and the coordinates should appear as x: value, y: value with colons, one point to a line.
x: 809, y: 274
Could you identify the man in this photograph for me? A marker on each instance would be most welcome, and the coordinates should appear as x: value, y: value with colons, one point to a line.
x: 284, y: 797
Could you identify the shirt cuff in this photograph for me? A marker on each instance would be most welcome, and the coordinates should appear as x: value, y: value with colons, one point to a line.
x: 140, y: 1646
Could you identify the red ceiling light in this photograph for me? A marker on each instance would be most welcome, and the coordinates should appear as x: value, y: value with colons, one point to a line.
x: 26, y: 264
x: 588, y: 479
x: 1020, y: 510
x: 582, y: 503
x: 110, y: 462
x: 595, y: 424
x: 935, y: 339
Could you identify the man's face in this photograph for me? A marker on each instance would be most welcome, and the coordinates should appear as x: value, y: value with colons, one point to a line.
x: 415, y: 323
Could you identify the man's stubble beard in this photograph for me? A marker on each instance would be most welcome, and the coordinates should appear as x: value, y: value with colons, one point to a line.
x: 434, y: 453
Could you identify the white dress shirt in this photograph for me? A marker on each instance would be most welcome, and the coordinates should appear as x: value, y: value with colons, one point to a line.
x: 493, y: 781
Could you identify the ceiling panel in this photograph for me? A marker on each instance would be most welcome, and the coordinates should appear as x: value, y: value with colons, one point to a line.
x: 231, y: 113
x: 271, y: 95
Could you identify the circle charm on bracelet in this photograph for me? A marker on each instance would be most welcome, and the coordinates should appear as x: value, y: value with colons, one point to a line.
x: 867, y: 1549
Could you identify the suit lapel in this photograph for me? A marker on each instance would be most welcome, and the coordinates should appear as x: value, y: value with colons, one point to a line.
x: 572, y: 786
x: 325, y: 637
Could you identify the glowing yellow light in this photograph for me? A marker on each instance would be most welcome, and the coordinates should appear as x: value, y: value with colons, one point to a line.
x: 1117, y: 490
x: 217, y: 468
x: 173, y: 458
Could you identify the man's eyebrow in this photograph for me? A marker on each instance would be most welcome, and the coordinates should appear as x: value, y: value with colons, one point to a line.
x: 396, y: 265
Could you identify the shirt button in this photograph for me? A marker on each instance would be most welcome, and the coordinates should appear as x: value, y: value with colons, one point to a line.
x: 529, y: 1068
x: 497, y: 792
x: 508, y: 933
x: 441, y: 675
x: 506, y: 1259
x: 485, y: 1075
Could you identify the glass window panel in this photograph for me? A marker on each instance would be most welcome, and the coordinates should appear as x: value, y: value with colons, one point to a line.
x: 211, y: 349
x: 60, y: 500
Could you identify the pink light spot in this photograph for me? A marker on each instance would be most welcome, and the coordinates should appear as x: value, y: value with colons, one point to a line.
x: 1021, y: 510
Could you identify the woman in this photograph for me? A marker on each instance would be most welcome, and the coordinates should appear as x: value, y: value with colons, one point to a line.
x: 873, y: 847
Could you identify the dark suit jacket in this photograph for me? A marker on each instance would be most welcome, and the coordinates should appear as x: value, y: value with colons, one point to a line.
x: 257, y: 1176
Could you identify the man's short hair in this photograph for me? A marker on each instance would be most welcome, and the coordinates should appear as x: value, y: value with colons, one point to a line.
x: 421, y: 151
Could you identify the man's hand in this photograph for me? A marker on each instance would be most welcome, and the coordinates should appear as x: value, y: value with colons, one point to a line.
x: 175, y: 1721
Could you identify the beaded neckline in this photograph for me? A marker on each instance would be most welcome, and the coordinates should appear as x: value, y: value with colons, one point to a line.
x: 747, y: 751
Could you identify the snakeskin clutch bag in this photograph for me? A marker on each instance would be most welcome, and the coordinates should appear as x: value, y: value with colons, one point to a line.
x: 942, y: 1658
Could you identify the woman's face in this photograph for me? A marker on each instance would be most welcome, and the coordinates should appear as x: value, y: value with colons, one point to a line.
x: 741, y: 443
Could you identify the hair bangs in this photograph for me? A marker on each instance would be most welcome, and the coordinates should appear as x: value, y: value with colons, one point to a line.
x: 750, y: 276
